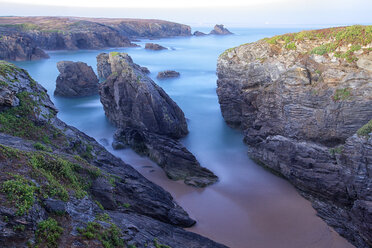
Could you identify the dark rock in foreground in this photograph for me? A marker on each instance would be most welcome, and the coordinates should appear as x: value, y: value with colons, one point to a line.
x: 153, y: 46
x: 76, y: 79
x: 177, y: 162
x: 148, y: 119
x: 168, y: 74
x: 220, y: 30
x: 305, y: 110
x: 69, y: 187
x: 198, y: 33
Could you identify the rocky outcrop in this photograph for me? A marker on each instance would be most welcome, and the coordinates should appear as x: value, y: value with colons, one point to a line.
x: 16, y: 47
x: 75, y: 79
x: 132, y: 101
x: 155, y: 47
x: 300, y: 99
x: 22, y: 38
x: 69, y: 187
x: 220, y: 30
x: 168, y: 74
x: 198, y: 33
x: 177, y: 162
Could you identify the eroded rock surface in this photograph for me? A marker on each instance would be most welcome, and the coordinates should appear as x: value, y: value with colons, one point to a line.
x: 75, y: 79
x: 300, y: 99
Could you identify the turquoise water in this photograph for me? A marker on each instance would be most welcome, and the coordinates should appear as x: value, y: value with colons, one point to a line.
x: 248, y: 207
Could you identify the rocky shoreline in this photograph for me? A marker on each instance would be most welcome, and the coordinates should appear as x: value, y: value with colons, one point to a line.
x: 304, y: 102
x: 60, y: 188
x: 22, y: 38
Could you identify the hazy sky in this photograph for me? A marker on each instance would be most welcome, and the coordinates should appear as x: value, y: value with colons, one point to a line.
x: 248, y: 13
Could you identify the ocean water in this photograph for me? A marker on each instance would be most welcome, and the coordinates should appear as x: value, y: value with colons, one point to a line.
x: 248, y: 207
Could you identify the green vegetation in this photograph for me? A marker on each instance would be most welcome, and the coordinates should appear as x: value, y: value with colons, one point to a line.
x: 99, y: 205
x: 356, y: 35
x: 88, y: 152
x: 18, y: 121
x: 103, y: 217
x: 158, y: 245
x: 126, y: 205
x: 48, y: 232
x: 8, y: 68
x: 113, y: 54
x: 342, y: 94
x: 61, y: 175
x: 365, y: 130
x: 41, y: 147
x: 20, y: 192
x: 110, y: 237
x: 336, y: 150
x: 19, y: 228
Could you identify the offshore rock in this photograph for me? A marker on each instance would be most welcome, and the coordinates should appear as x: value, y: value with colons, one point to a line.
x: 153, y: 46
x: 75, y: 79
x: 220, y: 30
x: 198, y: 33
x: 168, y: 74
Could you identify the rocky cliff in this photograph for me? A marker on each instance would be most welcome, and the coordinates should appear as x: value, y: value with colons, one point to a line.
x: 56, y: 33
x: 304, y: 102
x: 75, y: 79
x: 148, y: 119
x: 60, y: 188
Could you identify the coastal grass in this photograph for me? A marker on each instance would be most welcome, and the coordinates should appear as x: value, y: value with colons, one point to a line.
x: 109, y: 237
x: 354, y: 36
x: 48, y: 232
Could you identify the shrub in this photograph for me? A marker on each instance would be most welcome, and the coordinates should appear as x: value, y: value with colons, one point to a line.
x: 48, y: 231
x: 20, y: 191
x: 341, y: 94
x: 365, y: 130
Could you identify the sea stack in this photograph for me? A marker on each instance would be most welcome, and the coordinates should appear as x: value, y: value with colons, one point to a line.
x: 148, y: 120
x: 220, y: 30
x: 76, y: 79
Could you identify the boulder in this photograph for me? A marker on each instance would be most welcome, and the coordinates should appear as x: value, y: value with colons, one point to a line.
x: 153, y: 46
x: 220, y: 30
x: 168, y: 74
x: 75, y: 79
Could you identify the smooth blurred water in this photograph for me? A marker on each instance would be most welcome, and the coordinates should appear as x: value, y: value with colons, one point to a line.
x: 248, y: 207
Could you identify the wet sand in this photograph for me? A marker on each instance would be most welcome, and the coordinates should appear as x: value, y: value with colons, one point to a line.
x: 248, y: 207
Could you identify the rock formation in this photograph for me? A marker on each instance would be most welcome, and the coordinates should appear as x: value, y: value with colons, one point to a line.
x: 220, y: 30
x: 168, y: 74
x: 75, y: 79
x: 155, y: 47
x: 22, y: 38
x: 301, y: 99
x: 198, y: 33
x: 70, y: 191
x: 16, y: 47
x: 132, y: 101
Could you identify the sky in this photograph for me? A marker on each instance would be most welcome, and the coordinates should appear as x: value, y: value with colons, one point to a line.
x: 200, y: 13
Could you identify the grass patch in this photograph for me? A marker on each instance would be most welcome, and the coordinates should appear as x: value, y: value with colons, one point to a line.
x: 336, y: 150
x: 113, y: 54
x: 48, y: 232
x: 341, y: 94
x: 41, y: 147
x: 365, y: 130
x: 20, y: 192
x: 158, y: 245
x: 109, y: 238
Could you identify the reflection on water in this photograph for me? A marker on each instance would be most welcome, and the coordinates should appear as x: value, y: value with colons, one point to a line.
x: 248, y: 207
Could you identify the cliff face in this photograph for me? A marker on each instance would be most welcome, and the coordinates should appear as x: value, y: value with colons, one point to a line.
x: 60, y: 188
x: 57, y: 33
x: 18, y: 47
x: 300, y: 100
